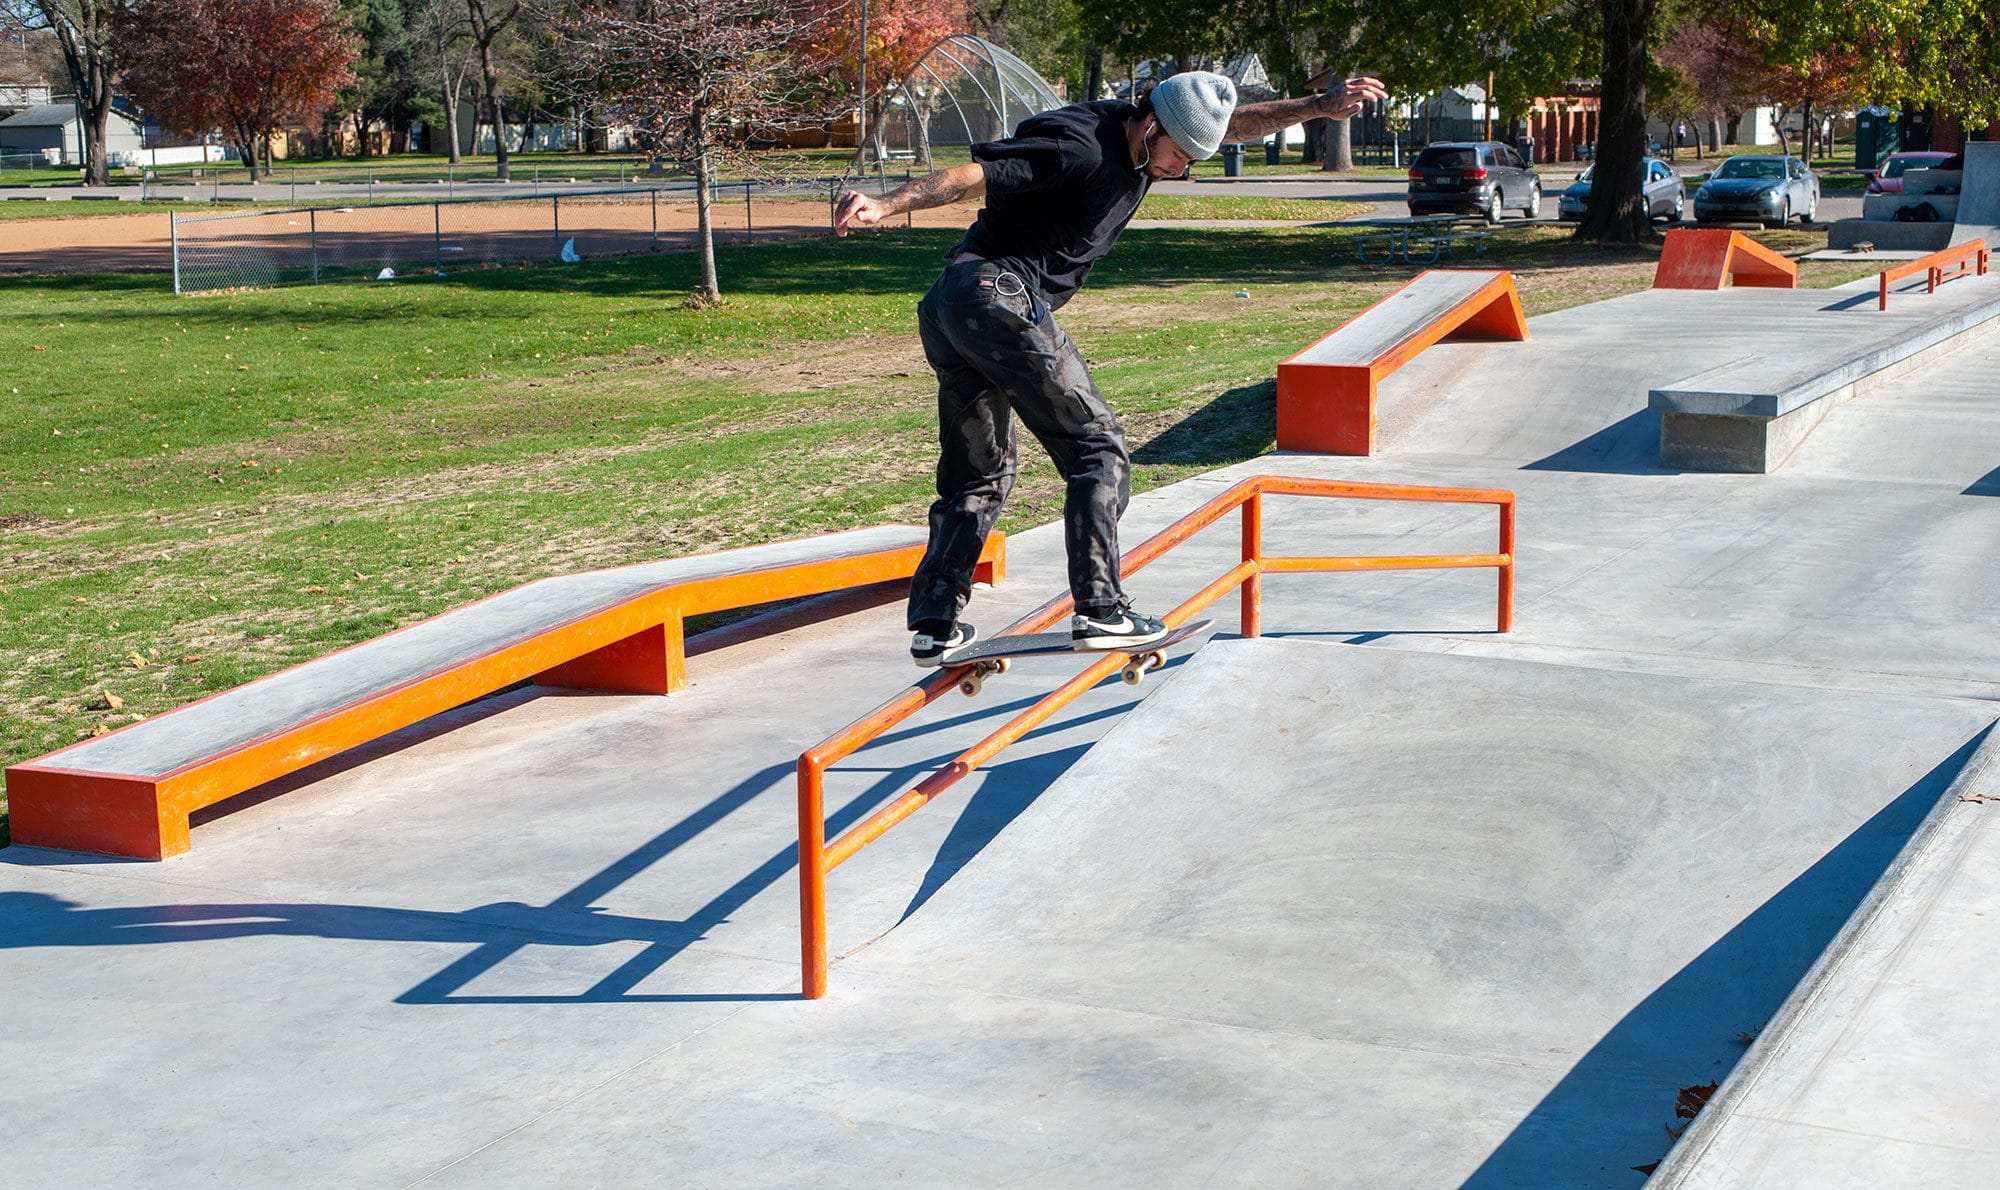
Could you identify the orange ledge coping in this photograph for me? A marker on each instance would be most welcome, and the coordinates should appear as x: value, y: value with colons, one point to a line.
x: 1326, y: 393
x: 1711, y: 257
x: 635, y: 645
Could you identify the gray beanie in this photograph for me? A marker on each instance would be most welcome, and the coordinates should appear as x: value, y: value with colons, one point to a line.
x: 1194, y: 107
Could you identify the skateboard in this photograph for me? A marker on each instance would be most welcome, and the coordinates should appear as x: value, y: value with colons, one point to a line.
x: 983, y: 658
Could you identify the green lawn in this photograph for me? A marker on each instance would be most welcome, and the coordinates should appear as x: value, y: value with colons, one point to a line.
x: 198, y: 491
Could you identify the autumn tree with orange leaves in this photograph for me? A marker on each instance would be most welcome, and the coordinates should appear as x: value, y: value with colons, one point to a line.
x: 242, y: 66
x: 900, y: 32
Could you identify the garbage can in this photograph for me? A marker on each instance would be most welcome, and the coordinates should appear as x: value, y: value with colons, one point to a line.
x: 1232, y: 161
x: 1273, y: 150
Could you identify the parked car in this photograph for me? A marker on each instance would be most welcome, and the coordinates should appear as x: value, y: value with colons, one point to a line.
x: 1889, y: 179
x: 1664, y: 196
x: 1770, y: 190
x: 1473, y: 178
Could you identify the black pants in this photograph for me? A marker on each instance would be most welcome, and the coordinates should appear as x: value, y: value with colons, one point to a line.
x: 999, y: 354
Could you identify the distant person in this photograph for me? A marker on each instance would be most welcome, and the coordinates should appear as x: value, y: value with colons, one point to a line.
x: 1680, y: 135
x: 1057, y: 193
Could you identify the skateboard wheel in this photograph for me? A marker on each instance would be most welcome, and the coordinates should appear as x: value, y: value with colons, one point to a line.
x: 1155, y: 660
x: 1132, y: 675
x: 970, y: 686
x: 1003, y: 665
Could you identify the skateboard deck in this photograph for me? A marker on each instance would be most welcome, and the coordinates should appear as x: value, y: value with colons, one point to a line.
x: 983, y: 658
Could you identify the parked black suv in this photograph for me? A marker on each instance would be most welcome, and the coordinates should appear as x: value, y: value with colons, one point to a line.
x: 1473, y: 178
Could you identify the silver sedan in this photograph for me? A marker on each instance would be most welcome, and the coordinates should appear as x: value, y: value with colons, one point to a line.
x: 1771, y: 190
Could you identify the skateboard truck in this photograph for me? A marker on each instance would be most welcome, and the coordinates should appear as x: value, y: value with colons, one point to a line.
x: 983, y: 659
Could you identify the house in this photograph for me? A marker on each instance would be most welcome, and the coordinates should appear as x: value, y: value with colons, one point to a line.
x: 55, y: 130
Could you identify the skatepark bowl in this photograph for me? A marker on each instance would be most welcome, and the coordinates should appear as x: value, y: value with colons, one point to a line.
x: 817, y: 858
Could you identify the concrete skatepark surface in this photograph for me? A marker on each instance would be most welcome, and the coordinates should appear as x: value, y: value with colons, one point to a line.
x: 1386, y: 899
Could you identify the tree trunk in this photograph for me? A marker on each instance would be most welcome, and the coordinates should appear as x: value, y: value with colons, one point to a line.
x: 497, y: 107
x: 704, y: 200
x: 1617, y: 205
x: 923, y: 161
x: 1338, y: 156
x: 1093, y: 72
x: 451, y: 94
x: 1806, y: 131
x: 96, y: 159
x: 1315, y: 140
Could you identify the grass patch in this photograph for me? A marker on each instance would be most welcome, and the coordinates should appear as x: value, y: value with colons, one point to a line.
x: 1202, y: 206
x: 198, y: 491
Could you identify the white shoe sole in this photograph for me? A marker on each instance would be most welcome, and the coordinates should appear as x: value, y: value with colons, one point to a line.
x: 1108, y: 644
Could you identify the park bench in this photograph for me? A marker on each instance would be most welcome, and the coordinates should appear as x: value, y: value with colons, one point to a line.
x: 130, y: 792
x: 1419, y: 239
x: 1949, y: 264
x: 1711, y: 257
x: 1326, y: 393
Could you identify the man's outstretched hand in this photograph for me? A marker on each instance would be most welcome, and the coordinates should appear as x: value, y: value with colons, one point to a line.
x: 1347, y: 99
x: 856, y: 210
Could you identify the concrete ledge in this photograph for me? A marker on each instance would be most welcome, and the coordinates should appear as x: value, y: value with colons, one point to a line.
x: 130, y: 793
x: 1327, y: 392
x: 1750, y: 414
x: 1808, y: 1075
x: 1889, y: 236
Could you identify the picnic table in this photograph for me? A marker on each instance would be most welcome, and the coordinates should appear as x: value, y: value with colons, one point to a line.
x: 1421, y: 239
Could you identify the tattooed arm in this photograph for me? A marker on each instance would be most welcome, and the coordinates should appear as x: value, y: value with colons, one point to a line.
x: 932, y: 190
x: 1254, y: 121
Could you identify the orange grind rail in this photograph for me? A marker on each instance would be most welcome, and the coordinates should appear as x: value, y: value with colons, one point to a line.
x: 1329, y: 407
x: 1947, y: 264
x: 817, y: 857
x: 635, y: 646
x: 1712, y: 257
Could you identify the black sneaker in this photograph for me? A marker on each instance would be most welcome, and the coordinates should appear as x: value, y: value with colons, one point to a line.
x: 928, y: 647
x: 1122, y: 629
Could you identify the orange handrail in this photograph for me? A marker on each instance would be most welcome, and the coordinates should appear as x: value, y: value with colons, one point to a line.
x: 817, y: 857
x: 1964, y: 259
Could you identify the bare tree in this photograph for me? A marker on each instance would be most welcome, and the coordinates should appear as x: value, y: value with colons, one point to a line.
x: 489, y: 21
x: 90, y: 34
x: 690, y: 74
x: 443, y: 30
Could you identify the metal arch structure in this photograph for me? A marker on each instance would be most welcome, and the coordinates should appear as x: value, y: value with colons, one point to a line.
x: 963, y: 90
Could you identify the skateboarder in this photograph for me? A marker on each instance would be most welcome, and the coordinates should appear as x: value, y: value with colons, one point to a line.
x: 1057, y: 194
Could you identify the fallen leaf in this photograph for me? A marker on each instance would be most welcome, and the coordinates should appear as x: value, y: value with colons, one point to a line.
x: 313, y: 590
x: 79, y: 599
x: 358, y: 574
x: 1975, y: 797
x: 1688, y: 1104
x: 191, y: 658
x: 249, y: 462
x: 111, y: 701
x: 34, y: 348
x: 136, y: 661
x: 99, y: 730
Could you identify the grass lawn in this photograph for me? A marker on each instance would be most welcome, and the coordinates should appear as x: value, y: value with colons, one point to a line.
x: 1204, y: 206
x: 198, y: 491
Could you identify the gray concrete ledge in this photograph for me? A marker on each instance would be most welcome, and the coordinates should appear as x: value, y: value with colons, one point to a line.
x: 1381, y: 328
x: 1817, y: 1101
x: 1750, y: 414
x: 172, y: 741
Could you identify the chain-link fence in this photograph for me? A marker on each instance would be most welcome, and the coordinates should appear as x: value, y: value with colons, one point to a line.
x: 316, y: 245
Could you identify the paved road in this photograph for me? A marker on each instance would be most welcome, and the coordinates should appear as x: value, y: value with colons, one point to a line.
x: 1385, y: 194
